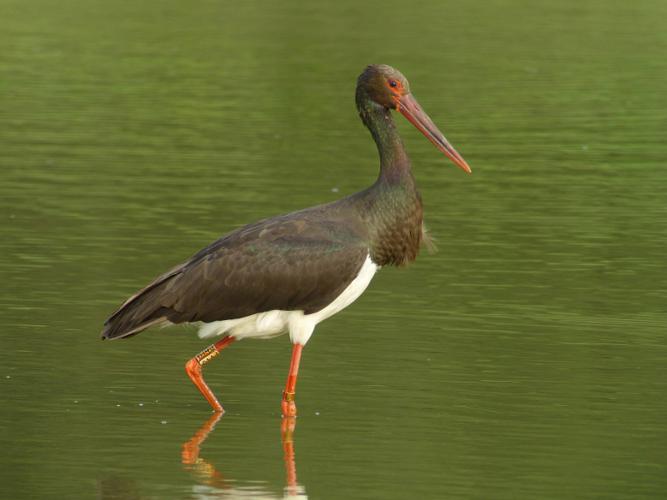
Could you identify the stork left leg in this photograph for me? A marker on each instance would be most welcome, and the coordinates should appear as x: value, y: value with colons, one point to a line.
x: 194, y: 366
x: 288, y: 405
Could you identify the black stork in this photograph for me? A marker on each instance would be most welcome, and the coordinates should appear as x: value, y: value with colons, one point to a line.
x: 287, y: 273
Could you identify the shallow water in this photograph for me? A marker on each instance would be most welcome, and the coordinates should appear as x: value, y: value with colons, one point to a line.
x: 527, y: 358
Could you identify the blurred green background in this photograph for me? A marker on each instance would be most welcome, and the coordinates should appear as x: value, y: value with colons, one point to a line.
x: 526, y: 359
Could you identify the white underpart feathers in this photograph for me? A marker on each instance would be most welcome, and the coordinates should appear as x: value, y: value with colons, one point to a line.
x: 299, y: 325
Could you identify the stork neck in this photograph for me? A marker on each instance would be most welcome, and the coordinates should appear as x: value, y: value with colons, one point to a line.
x: 394, y: 161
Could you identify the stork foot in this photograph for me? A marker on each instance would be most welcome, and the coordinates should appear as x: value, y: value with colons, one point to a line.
x: 288, y: 405
x: 193, y: 369
x: 194, y: 366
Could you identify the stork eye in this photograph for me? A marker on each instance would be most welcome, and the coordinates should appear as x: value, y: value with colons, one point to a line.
x: 393, y: 83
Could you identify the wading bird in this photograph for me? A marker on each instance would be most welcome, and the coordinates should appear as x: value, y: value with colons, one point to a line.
x: 287, y: 273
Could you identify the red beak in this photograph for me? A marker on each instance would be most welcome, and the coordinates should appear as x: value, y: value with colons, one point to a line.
x: 410, y: 108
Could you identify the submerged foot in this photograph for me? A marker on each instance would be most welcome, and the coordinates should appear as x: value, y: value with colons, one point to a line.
x: 193, y: 369
x: 288, y: 407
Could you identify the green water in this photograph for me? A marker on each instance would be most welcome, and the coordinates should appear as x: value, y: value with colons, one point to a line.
x: 527, y: 358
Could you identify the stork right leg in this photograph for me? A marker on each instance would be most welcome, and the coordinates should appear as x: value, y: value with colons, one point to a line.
x: 288, y: 405
x: 194, y: 366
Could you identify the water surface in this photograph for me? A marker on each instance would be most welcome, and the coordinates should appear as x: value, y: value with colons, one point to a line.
x: 525, y: 359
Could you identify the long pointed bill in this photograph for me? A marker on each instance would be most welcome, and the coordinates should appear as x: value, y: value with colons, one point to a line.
x: 410, y: 108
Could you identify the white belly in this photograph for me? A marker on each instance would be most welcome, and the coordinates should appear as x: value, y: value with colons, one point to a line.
x: 299, y: 325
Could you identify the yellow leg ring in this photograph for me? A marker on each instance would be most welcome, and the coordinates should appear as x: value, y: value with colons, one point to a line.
x: 207, y: 355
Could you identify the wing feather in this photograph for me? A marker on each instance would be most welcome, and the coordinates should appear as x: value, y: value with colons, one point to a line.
x: 300, y: 261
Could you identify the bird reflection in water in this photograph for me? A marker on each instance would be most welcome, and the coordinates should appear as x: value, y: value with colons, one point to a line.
x: 215, y: 483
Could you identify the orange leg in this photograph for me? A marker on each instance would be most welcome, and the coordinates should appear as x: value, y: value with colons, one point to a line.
x: 288, y: 405
x: 287, y: 433
x: 194, y: 366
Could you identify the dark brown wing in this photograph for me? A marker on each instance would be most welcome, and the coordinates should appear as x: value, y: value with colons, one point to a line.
x: 300, y: 261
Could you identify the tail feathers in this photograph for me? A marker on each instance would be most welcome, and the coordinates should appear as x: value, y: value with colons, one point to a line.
x: 121, y: 326
x: 148, y: 307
